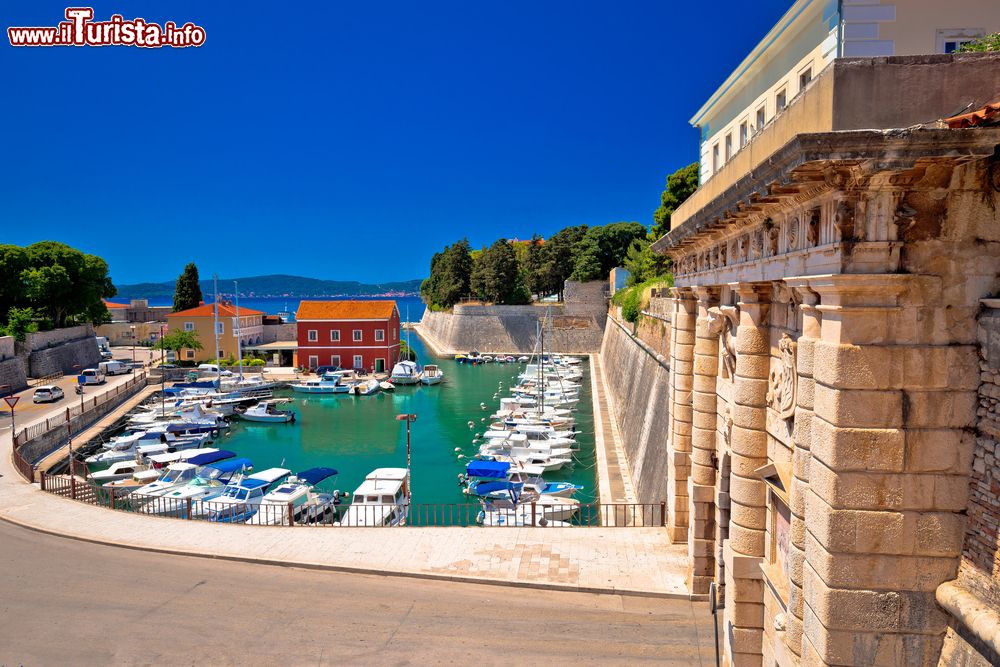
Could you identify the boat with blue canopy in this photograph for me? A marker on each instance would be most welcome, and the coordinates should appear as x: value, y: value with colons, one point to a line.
x: 298, y: 496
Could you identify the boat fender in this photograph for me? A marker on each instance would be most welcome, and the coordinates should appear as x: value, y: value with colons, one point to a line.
x: 461, y: 456
x: 477, y: 437
x: 458, y: 449
x: 215, y: 433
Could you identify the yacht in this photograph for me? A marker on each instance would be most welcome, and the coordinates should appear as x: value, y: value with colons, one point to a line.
x: 240, y: 500
x: 209, y: 483
x: 383, y: 499
x: 405, y: 372
x: 298, y: 495
x: 551, y: 507
x: 117, y: 471
x: 432, y: 374
x: 129, y: 447
x: 330, y: 383
x: 267, y: 412
x: 179, y: 474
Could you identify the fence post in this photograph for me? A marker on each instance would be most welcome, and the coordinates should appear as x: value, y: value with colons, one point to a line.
x: 72, y: 486
x: 111, y: 498
x: 291, y: 514
x: 533, y: 522
x: 189, y: 511
x: 41, y: 479
x: 663, y: 514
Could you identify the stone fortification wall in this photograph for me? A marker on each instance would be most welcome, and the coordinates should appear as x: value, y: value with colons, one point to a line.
x: 49, y: 352
x: 272, y: 333
x: 637, y: 382
x: 11, y: 367
x: 46, y: 339
x: 6, y: 347
x: 979, y: 570
x: 577, y: 325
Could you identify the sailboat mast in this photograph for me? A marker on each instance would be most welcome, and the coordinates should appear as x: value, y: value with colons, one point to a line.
x: 215, y: 326
x: 239, y: 332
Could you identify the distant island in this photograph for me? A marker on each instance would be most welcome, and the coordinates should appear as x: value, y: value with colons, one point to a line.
x: 276, y: 286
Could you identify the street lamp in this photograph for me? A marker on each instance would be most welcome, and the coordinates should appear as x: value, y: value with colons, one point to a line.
x: 69, y: 423
x: 408, y: 418
x: 163, y: 373
x: 132, y: 327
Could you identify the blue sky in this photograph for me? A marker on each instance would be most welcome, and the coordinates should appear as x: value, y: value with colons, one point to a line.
x: 353, y: 140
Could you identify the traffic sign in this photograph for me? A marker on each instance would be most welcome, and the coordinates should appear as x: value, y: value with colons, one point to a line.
x: 12, y: 401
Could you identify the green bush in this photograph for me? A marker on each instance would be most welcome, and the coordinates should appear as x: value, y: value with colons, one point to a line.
x: 254, y: 362
x: 632, y: 304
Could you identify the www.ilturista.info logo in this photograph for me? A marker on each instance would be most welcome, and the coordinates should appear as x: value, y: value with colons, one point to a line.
x: 81, y: 30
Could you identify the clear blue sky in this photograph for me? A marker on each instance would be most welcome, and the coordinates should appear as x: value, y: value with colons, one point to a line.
x: 352, y: 140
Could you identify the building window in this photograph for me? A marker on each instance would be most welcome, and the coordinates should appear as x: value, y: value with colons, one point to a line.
x: 313, y: 361
x: 357, y: 335
x: 715, y: 158
x: 220, y: 328
x: 335, y: 360
x: 744, y: 133
x: 189, y: 326
x: 189, y: 354
x: 949, y: 41
x: 805, y: 76
x: 359, y: 361
x: 313, y: 335
x: 335, y: 336
x: 761, y: 118
x: 729, y: 146
x: 380, y: 335
x: 780, y: 100
x: 394, y: 334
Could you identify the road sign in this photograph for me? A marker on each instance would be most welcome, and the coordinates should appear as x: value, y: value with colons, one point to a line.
x: 12, y: 401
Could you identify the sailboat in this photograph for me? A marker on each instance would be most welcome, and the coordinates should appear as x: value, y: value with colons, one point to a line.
x: 406, y: 371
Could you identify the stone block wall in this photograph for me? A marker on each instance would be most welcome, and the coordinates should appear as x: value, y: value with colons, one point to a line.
x: 62, y: 358
x: 6, y: 347
x: 47, y: 339
x: 638, y: 382
x: 283, y: 332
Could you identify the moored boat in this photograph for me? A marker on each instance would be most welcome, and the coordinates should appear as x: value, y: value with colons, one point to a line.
x: 432, y: 374
x: 267, y: 412
x: 383, y: 499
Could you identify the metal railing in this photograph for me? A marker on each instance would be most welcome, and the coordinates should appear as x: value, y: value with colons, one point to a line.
x: 124, y: 499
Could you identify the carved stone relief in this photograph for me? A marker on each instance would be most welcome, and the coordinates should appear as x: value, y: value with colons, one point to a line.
x: 812, y: 228
x: 722, y: 322
x: 843, y: 220
x: 783, y: 380
x: 792, y: 233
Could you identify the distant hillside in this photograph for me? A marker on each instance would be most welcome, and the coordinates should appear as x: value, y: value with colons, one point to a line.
x: 277, y: 285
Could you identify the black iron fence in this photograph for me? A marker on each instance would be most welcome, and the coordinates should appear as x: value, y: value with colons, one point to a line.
x: 252, y: 511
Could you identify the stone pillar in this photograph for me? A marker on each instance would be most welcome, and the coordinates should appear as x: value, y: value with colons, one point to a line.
x: 744, y: 549
x: 802, y: 435
x: 894, y: 397
x: 681, y: 383
x: 701, y: 485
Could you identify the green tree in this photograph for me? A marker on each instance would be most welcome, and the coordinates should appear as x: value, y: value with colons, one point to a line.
x: 13, y: 262
x: 985, y: 43
x: 604, y: 248
x: 560, y: 258
x: 680, y: 185
x: 496, y: 275
x: 450, y: 276
x: 533, y: 265
x: 62, y: 283
x: 179, y: 340
x: 187, y: 293
x: 20, y: 323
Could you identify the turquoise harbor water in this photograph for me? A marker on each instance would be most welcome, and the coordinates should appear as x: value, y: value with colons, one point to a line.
x: 356, y: 434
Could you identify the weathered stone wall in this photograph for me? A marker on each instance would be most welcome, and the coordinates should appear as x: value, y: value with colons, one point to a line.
x: 6, y: 347
x: 11, y: 367
x: 654, y: 330
x: 58, y: 351
x: 283, y: 332
x: 46, y: 339
x: 638, y: 382
x: 577, y: 325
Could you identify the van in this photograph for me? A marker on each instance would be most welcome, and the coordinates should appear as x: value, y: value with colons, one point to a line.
x: 91, y: 376
x: 212, y: 368
x: 114, y: 368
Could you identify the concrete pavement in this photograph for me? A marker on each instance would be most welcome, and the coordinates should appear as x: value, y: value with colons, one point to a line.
x: 67, y: 602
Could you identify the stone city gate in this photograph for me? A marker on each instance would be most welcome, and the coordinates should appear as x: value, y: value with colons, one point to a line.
x: 824, y: 390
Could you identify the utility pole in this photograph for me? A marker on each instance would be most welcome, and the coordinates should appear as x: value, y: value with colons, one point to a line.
x: 408, y: 418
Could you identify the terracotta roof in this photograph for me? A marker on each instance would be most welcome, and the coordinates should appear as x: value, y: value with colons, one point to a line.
x: 109, y: 304
x: 987, y: 115
x: 208, y: 310
x: 345, y: 310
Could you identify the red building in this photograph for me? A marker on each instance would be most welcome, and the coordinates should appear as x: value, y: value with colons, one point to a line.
x: 349, y: 334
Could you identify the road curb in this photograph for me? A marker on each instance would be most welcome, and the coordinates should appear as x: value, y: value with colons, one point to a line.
x: 566, y: 588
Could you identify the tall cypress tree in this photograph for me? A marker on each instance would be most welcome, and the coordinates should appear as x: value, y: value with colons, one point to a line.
x: 187, y: 293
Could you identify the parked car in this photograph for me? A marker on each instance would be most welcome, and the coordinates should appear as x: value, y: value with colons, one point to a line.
x: 212, y: 368
x: 106, y: 355
x: 92, y: 376
x: 114, y: 368
x: 47, y: 394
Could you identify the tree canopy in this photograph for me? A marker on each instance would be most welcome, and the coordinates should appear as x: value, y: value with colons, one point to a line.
x: 179, y: 340
x: 187, y: 293
x: 58, y: 283
x: 604, y: 248
x: 680, y: 185
x: 496, y: 275
x: 985, y: 43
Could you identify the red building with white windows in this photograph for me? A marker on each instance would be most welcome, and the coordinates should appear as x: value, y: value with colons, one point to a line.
x: 349, y: 334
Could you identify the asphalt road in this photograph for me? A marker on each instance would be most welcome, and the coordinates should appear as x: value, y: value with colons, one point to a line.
x: 68, y: 602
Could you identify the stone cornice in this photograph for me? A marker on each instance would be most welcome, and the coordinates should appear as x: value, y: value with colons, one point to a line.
x: 813, y: 159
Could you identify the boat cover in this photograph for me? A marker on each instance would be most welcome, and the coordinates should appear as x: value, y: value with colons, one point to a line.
x: 232, y: 465
x: 484, y: 488
x: 254, y: 483
x: 211, y: 457
x: 315, y: 475
x: 491, y: 469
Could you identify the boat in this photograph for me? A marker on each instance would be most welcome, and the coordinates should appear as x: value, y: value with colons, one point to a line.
x: 297, y: 495
x: 365, y: 387
x: 540, y: 461
x: 240, y: 499
x: 383, y: 499
x: 521, y: 516
x: 472, y: 357
x: 387, y: 386
x: 248, y: 385
x: 405, y: 372
x: 333, y: 382
x: 266, y: 412
x: 180, y: 473
x: 551, y: 507
x: 489, y: 478
x: 139, y: 479
x: 432, y: 374
x: 209, y: 483
x: 117, y: 471
x: 131, y: 447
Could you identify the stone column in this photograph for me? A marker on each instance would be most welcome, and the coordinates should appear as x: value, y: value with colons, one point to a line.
x: 747, y: 493
x: 701, y: 485
x: 681, y: 382
x: 802, y: 435
x: 895, y: 393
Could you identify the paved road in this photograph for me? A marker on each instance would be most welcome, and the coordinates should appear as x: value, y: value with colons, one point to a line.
x: 69, y: 602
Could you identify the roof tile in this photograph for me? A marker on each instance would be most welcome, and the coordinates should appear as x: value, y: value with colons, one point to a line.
x: 208, y: 310
x: 345, y: 310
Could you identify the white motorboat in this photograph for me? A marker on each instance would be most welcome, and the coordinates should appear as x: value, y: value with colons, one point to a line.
x: 248, y: 384
x: 298, y: 495
x: 553, y: 508
x: 521, y: 516
x: 432, y: 374
x: 174, y: 475
x: 134, y: 445
x: 118, y: 470
x: 240, y: 499
x: 366, y: 387
x: 387, y: 386
x: 209, y: 483
x: 383, y: 499
x: 336, y: 382
x: 405, y: 372
x: 267, y: 412
x: 139, y: 479
x: 540, y: 461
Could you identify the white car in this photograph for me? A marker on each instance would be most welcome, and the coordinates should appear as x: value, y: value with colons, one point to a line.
x: 47, y: 394
x: 213, y: 369
x: 92, y: 376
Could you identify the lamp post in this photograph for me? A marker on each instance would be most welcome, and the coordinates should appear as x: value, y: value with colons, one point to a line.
x: 69, y: 423
x: 132, y: 328
x: 408, y: 418
x: 163, y: 373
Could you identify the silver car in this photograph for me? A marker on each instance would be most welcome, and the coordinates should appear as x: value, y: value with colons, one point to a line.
x: 47, y: 394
